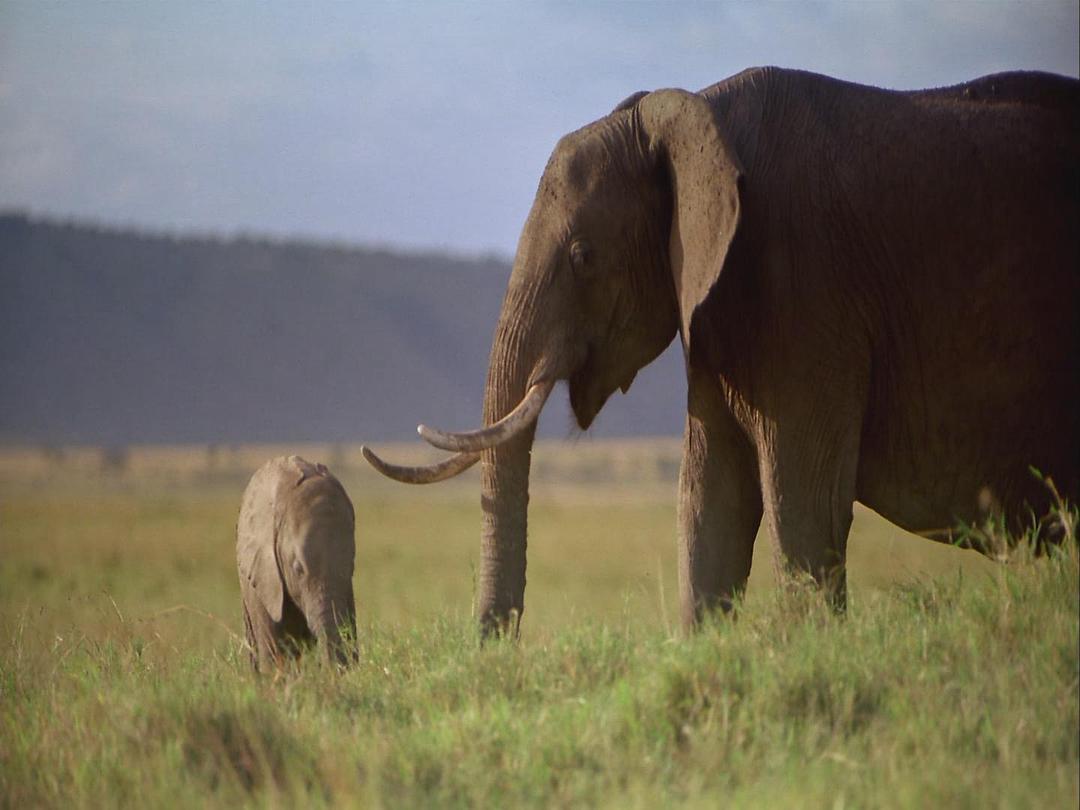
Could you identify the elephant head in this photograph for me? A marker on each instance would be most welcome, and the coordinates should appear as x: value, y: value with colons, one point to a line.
x: 296, y: 554
x: 627, y: 235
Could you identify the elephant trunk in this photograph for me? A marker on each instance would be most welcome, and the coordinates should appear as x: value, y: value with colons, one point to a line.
x: 505, y: 502
x: 328, y: 619
x: 504, y: 476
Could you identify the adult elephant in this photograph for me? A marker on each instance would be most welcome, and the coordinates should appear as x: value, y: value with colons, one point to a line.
x: 876, y: 294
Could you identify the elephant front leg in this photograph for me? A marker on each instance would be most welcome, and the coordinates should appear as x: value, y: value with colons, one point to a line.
x: 253, y: 648
x: 808, y: 485
x: 719, y: 506
x: 262, y: 637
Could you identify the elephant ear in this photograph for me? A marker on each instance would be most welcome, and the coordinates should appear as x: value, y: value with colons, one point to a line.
x: 630, y: 101
x: 256, y: 547
x: 704, y: 172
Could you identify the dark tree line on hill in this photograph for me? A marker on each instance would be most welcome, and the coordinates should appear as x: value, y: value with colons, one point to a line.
x: 115, y: 337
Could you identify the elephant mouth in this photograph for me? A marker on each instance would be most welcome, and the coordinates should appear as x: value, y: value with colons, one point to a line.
x: 582, y: 404
x: 589, y: 391
x: 582, y: 400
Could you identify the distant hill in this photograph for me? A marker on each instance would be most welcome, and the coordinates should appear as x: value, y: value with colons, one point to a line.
x: 114, y: 337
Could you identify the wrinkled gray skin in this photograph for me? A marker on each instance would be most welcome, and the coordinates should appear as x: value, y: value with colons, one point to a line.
x: 295, y: 551
x: 876, y: 294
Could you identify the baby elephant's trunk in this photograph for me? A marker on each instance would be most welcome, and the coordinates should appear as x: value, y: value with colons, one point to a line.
x: 335, y: 628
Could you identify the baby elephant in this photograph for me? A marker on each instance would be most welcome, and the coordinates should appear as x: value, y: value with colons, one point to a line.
x: 295, y: 550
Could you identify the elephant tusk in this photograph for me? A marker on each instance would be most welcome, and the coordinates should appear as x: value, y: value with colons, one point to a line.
x: 506, y: 428
x: 433, y: 473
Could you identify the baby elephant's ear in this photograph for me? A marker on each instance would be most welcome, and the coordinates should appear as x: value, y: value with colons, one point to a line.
x: 630, y: 101
x: 257, y: 560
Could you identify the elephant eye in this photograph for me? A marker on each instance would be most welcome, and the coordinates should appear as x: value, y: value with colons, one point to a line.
x: 580, y: 255
x: 298, y: 568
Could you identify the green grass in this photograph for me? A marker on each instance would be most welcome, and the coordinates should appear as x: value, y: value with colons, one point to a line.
x: 951, y: 682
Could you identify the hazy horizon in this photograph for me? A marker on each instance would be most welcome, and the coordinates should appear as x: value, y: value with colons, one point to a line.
x: 414, y: 126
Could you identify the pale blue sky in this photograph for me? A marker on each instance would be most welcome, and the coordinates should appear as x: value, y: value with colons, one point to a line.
x: 413, y: 124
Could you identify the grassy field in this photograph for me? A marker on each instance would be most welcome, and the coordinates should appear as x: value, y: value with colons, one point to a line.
x: 124, y: 681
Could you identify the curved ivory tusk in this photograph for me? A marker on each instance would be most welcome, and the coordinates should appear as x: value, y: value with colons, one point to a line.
x: 433, y: 473
x: 506, y: 428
